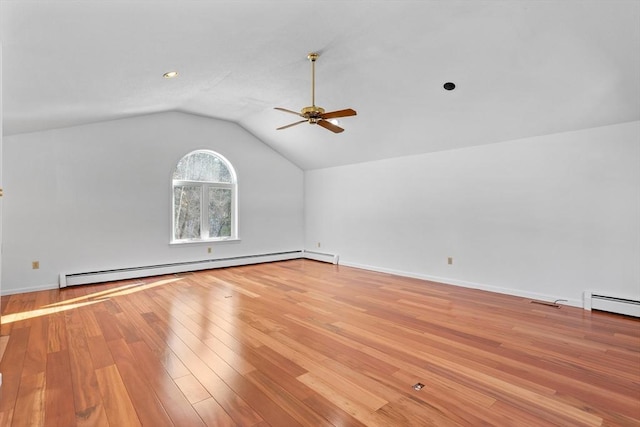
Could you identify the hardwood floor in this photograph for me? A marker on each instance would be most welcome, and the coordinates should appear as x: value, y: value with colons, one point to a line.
x: 307, y: 343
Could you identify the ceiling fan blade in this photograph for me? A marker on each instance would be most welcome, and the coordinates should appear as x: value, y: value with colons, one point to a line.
x: 292, y: 124
x: 340, y: 113
x: 288, y: 111
x: 328, y: 125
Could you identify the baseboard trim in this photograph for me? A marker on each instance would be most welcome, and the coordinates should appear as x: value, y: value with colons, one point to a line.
x: 472, y: 285
x: 46, y: 287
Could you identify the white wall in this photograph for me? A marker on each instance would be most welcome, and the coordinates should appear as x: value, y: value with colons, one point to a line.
x: 1, y: 132
x: 98, y: 197
x: 545, y: 217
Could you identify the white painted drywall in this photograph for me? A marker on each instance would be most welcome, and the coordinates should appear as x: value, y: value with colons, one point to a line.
x: 97, y: 197
x: 545, y: 217
x: 1, y: 133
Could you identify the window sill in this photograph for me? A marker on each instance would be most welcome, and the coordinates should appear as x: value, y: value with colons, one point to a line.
x: 204, y: 242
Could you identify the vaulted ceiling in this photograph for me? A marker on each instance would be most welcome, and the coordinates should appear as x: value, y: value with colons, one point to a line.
x: 521, y: 68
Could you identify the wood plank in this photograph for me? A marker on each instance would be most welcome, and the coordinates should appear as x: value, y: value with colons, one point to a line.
x: 154, y: 337
x: 234, y: 405
x: 99, y: 351
x: 263, y: 404
x: 86, y: 394
x: 338, y: 397
x: 11, y: 368
x: 192, y: 389
x: 36, y: 356
x: 174, y: 402
x: 4, y: 340
x: 30, y: 404
x: 108, y: 325
x: 287, y: 401
x: 117, y: 405
x: 332, y: 413
x: 57, y: 333
x: 59, y: 408
x: 213, y: 414
x: 141, y: 395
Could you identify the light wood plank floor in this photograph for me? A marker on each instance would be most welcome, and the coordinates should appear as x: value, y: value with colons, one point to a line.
x: 307, y: 343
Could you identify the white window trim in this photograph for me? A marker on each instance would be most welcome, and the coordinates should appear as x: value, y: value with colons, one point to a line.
x: 204, y: 220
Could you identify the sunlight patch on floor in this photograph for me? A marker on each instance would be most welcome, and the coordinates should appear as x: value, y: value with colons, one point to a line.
x: 82, y: 301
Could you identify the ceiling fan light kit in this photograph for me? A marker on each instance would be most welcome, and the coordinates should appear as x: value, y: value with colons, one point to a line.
x: 314, y: 114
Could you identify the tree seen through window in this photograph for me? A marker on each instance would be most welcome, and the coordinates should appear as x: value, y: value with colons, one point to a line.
x: 204, y: 187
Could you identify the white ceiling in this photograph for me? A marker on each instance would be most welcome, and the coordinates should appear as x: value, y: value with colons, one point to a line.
x: 522, y: 68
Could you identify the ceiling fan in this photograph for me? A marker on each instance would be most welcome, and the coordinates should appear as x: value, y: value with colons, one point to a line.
x: 314, y: 114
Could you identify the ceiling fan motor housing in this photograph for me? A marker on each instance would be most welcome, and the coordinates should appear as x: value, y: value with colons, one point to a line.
x: 311, y: 112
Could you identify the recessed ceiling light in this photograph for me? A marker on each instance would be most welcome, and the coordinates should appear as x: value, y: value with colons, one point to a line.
x: 449, y: 86
x: 170, y: 74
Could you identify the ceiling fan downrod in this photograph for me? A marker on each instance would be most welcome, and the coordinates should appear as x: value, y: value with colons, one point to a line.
x: 312, y: 57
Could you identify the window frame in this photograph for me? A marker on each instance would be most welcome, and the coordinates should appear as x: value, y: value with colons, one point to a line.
x: 204, y: 187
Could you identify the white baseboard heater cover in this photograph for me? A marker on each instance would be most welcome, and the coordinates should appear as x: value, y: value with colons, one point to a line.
x: 321, y: 256
x: 594, y: 300
x: 70, y: 279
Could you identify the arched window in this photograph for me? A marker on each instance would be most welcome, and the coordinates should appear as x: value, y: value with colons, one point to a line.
x: 204, y: 198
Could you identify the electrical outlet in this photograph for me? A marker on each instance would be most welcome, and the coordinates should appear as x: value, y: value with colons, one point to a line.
x: 208, y: 250
x: 318, y: 245
x: 35, y: 265
x: 450, y: 260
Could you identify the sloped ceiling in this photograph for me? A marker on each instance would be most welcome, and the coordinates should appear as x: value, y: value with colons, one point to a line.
x: 522, y: 68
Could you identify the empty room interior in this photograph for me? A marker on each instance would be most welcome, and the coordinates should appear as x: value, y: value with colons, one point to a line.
x: 320, y: 213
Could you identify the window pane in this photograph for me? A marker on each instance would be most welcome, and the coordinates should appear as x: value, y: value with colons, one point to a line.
x: 186, y: 208
x: 202, y: 166
x: 219, y: 212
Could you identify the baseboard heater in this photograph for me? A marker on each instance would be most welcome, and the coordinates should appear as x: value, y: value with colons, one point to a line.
x: 320, y: 256
x: 604, y: 301
x: 70, y: 279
